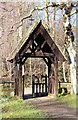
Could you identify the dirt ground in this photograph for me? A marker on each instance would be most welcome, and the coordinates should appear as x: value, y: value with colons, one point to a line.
x: 54, y: 108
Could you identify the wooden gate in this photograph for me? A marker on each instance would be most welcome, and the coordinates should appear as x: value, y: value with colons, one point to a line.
x: 39, y: 86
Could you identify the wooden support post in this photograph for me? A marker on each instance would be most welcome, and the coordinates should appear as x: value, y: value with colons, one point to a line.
x: 23, y: 86
x: 15, y: 87
x: 39, y: 87
x: 36, y: 87
x: 33, y: 85
x: 42, y: 87
x: 52, y: 86
x: 49, y: 71
x: 46, y: 83
x: 49, y: 68
x: 53, y: 78
x: 23, y: 79
x: 56, y: 77
x: 20, y: 81
x: 16, y: 79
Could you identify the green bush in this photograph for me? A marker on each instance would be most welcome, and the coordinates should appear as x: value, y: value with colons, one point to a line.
x: 6, y: 92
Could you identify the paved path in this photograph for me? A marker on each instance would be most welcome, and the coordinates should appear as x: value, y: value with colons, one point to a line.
x: 54, y: 108
x: 27, y: 91
x: 51, y: 106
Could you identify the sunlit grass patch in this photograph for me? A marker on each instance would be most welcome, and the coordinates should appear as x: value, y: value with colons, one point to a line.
x: 21, y: 109
x: 68, y: 99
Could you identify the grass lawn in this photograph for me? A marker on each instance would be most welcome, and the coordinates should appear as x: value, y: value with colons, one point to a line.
x: 68, y: 99
x: 18, y: 108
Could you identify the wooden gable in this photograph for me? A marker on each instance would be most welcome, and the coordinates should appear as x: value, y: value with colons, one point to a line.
x: 36, y: 43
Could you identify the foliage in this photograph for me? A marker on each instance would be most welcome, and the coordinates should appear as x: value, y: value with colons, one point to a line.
x: 6, y: 92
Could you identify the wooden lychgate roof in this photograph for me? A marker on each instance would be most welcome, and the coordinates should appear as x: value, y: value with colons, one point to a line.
x: 36, y: 43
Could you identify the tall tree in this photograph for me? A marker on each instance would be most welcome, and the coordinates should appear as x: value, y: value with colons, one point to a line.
x: 70, y: 44
x: 46, y: 14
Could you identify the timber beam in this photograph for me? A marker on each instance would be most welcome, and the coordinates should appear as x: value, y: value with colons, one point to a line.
x: 56, y: 77
x: 20, y: 81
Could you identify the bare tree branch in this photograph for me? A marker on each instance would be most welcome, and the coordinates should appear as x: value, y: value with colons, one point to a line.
x: 6, y: 9
x: 74, y: 4
x: 39, y: 8
x: 60, y: 6
x: 76, y: 11
x: 36, y: 8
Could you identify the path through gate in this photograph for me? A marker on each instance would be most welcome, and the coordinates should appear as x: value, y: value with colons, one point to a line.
x: 39, y: 86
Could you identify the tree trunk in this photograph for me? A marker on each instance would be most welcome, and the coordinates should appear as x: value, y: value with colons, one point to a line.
x: 69, y: 42
x: 77, y: 55
x: 54, y: 23
x: 77, y: 65
x: 46, y: 15
x: 64, y: 71
x: 20, y: 15
x: 72, y: 54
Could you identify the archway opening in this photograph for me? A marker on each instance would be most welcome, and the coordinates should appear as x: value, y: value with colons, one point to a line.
x: 37, y: 67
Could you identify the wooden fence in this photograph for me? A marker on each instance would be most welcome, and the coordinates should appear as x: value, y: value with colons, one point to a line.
x: 7, y: 84
x: 66, y: 86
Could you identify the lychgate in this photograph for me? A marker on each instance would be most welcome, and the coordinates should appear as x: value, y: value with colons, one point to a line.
x: 40, y: 43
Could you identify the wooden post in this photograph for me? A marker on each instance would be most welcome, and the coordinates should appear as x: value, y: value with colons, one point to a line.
x: 51, y: 78
x: 42, y: 87
x: 33, y: 85
x: 36, y: 87
x: 15, y: 87
x: 46, y: 83
x: 49, y: 71
x: 49, y: 68
x: 56, y: 77
x: 39, y: 87
x: 16, y: 78
x: 23, y: 86
x: 53, y: 84
x: 23, y: 79
x: 20, y: 81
